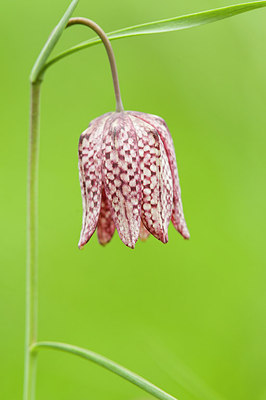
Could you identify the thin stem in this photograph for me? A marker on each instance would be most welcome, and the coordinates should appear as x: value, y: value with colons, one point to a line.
x: 108, y: 47
x: 108, y: 364
x: 32, y: 221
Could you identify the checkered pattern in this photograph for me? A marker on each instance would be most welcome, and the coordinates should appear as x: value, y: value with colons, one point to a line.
x: 129, y: 179
x: 159, y: 124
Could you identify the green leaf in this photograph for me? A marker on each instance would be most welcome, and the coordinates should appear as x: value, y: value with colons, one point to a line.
x: 51, y: 42
x: 108, y: 364
x: 167, y: 25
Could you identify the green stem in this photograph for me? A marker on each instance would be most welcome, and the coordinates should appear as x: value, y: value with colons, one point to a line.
x: 108, y: 364
x: 32, y: 207
x: 32, y: 222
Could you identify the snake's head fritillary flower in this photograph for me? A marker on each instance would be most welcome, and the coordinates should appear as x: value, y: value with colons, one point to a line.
x: 129, y: 179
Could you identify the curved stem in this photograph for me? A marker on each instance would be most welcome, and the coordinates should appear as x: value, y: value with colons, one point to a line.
x: 108, y: 47
x: 32, y: 221
x: 108, y: 364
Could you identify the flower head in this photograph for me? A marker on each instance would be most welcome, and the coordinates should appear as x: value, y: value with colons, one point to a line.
x: 129, y: 179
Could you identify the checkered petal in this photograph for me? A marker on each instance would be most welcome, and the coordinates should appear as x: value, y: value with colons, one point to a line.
x: 143, y: 233
x: 106, y: 226
x: 90, y: 166
x: 156, y: 180
x: 121, y: 176
x: 159, y: 124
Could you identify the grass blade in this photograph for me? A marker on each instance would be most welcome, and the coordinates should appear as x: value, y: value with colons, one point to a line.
x: 51, y: 42
x: 108, y: 364
x: 166, y: 25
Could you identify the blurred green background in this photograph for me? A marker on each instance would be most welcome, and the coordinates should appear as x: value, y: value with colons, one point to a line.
x: 189, y: 316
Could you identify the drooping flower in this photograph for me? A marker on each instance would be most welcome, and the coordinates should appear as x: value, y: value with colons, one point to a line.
x: 129, y: 179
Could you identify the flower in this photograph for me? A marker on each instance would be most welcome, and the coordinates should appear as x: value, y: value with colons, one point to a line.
x: 129, y: 179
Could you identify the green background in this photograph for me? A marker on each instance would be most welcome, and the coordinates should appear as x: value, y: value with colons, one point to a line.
x: 189, y: 315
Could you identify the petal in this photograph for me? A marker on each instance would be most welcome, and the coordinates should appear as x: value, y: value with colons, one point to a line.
x: 106, y: 226
x: 90, y: 164
x: 156, y: 180
x: 143, y: 233
x: 121, y: 177
x: 159, y: 124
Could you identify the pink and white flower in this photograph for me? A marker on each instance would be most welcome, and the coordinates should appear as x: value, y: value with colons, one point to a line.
x: 129, y: 179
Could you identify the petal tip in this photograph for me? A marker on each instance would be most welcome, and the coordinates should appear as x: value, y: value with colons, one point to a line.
x: 164, y: 240
x: 81, y: 244
x: 181, y: 227
x: 104, y: 243
x: 130, y: 245
x: 184, y: 232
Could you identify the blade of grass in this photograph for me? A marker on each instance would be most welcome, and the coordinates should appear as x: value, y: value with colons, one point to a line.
x: 51, y: 42
x: 108, y: 364
x: 166, y: 25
